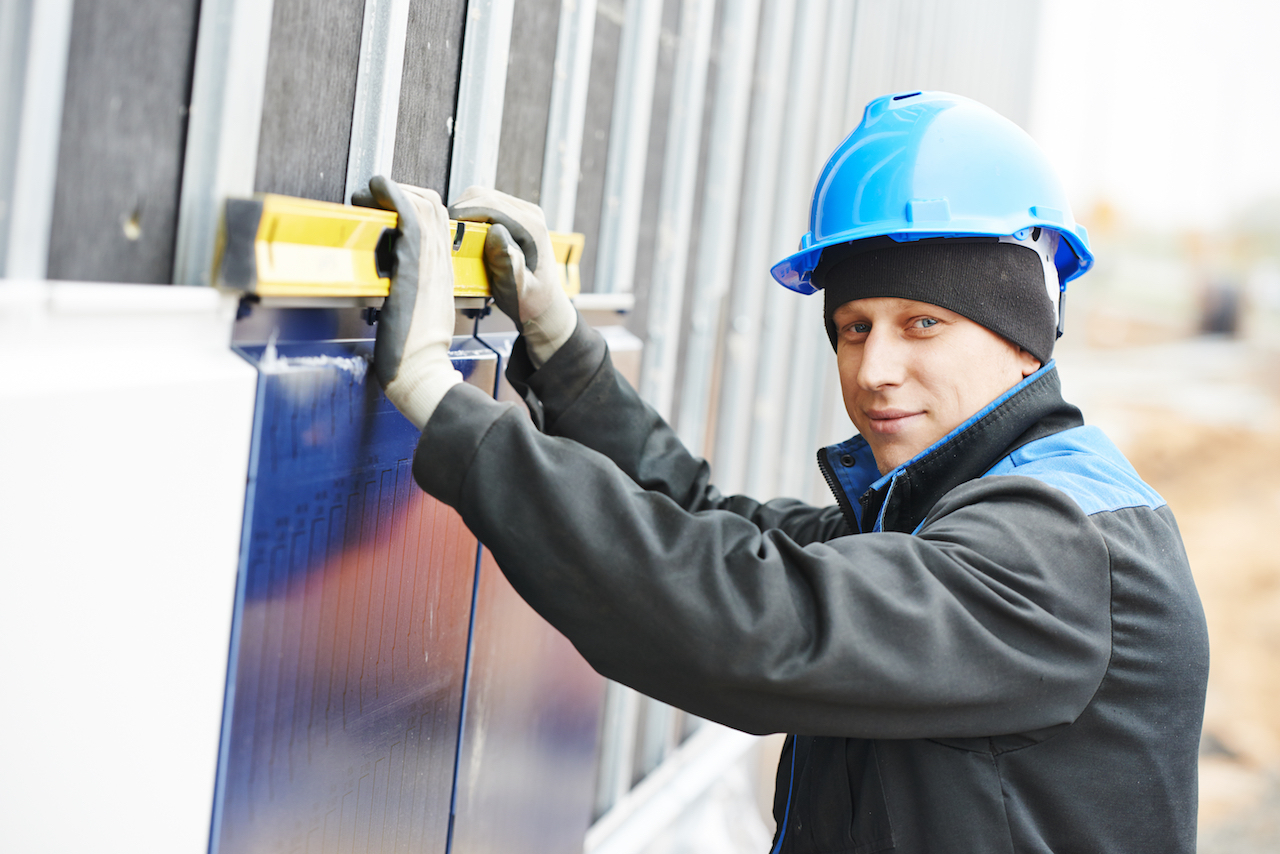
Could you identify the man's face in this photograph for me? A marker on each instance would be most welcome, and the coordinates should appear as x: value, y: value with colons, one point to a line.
x: 911, y: 372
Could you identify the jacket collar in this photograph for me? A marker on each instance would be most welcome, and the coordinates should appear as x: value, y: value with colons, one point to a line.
x: 900, y: 500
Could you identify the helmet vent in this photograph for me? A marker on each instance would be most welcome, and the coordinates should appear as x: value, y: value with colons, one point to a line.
x: 905, y: 95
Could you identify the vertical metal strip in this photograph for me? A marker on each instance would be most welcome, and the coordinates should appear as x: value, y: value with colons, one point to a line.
x: 628, y: 147
x: 39, y: 83
x: 675, y: 204
x: 562, y: 156
x: 377, y: 107
x: 615, y: 270
x: 222, y: 133
x: 809, y: 347
x: 15, y: 33
x: 718, y: 230
x: 790, y: 208
x: 755, y: 237
x: 477, y: 127
x: 666, y: 295
x: 617, y: 745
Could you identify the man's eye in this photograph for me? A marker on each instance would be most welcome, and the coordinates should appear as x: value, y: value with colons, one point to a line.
x: 859, y: 328
x: 926, y: 322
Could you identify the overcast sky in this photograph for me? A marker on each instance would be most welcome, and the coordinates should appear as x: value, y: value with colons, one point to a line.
x: 1168, y: 109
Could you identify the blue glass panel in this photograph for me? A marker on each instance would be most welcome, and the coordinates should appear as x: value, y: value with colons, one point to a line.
x: 528, y: 765
x: 351, y: 619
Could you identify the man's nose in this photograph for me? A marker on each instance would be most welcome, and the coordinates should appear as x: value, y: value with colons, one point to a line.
x: 883, y: 360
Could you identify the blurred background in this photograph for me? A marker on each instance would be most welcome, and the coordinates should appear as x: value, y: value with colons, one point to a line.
x: 1162, y: 119
x: 682, y: 138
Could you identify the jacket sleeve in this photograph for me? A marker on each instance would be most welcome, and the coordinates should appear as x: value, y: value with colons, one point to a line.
x: 579, y: 395
x: 992, y: 620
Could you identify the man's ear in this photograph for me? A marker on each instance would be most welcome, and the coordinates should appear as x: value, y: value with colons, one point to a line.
x: 1029, y: 363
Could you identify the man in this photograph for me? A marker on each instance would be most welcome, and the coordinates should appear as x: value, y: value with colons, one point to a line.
x: 992, y: 642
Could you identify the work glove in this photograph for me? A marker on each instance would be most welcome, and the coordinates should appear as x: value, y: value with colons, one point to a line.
x: 521, y: 264
x: 415, y: 325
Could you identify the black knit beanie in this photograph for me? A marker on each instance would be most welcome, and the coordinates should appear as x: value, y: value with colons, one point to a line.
x: 996, y: 285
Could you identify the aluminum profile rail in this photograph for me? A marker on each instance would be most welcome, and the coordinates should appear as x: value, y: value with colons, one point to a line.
x: 377, y: 104
x: 713, y: 270
x: 486, y: 47
x: 617, y: 746
x: 615, y: 271
x: 628, y: 147
x: 752, y: 256
x: 790, y: 206
x: 15, y: 28
x: 658, y: 735
x: 811, y: 373
x: 562, y: 156
x: 34, y: 42
x: 675, y: 204
x: 222, y: 133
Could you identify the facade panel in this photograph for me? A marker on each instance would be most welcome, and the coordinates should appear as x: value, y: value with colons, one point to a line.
x: 123, y: 133
x: 429, y: 93
x: 530, y: 69
x: 309, y: 98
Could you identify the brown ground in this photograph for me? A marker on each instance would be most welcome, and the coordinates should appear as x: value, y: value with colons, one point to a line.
x: 1223, y: 483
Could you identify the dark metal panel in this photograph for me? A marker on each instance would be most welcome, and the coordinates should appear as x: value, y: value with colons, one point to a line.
x: 528, y: 758
x: 123, y: 126
x: 429, y: 93
x: 351, y: 619
x: 309, y: 98
x: 527, y: 98
x: 595, y: 131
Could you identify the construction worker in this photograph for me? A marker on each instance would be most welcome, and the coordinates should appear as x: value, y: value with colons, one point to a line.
x: 991, y: 642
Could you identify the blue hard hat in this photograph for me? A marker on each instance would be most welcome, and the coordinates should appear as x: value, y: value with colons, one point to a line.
x: 932, y: 164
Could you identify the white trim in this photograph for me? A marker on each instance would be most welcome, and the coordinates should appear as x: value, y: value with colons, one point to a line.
x: 621, y: 303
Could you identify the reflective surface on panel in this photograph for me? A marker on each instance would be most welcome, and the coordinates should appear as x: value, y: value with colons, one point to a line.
x: 351, y: 622
x: 527, y: 767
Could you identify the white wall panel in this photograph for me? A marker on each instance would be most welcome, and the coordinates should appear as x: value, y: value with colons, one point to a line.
x: 124, y: 444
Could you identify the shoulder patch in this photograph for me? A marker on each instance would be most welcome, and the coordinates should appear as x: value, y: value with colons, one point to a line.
x: 1083, y: 463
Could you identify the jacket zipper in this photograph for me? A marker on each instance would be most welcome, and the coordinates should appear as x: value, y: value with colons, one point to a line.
x: 842, y: 499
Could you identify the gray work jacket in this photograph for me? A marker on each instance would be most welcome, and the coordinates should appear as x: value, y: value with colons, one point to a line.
x: 998, y: 647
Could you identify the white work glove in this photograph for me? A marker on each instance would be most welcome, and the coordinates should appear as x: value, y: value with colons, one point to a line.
x: 522, y: 269
x: 415, y: 325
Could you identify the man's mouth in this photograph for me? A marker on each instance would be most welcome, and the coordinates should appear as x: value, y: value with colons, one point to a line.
x: 889, y: 421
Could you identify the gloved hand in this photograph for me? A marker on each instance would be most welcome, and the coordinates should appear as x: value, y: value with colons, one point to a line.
x: 522, y: 268
x: 415, y: 325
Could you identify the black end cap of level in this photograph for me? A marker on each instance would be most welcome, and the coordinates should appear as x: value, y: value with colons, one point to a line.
x: 238, y: 269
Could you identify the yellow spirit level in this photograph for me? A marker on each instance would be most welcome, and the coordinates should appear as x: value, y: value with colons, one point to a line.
x: 279, y: 246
